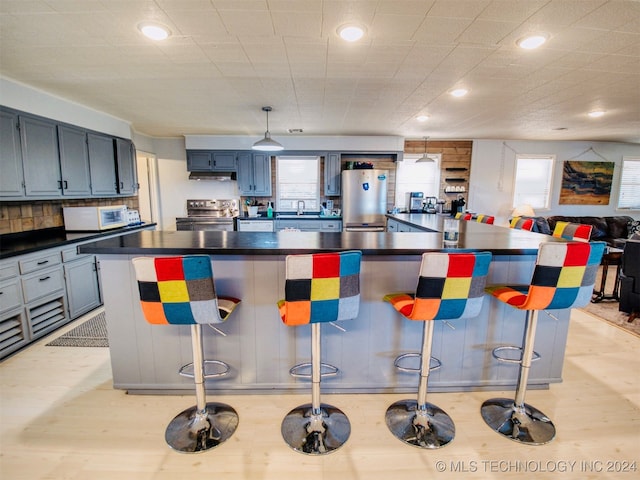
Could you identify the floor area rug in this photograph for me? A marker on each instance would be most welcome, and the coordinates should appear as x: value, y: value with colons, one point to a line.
x: 91, y: 333
x: 608, y: 309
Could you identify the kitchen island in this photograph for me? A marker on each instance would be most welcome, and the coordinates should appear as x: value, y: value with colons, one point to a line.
x: 261, y: 350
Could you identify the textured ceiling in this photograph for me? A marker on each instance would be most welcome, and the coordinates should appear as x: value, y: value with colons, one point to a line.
x: 228, y: 58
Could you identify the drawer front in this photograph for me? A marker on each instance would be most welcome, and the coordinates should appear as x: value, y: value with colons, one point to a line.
x: 42, y: 283
x: 332, y: 226
x: 10, y: 295
x: 71, y: 254
x: 8, y: 270
x: 42, y: 261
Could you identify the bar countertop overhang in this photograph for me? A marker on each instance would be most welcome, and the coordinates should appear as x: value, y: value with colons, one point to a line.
x: 473, y: 237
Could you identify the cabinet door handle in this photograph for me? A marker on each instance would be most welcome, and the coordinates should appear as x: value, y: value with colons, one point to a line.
x: 66, y: 185
x: 42, y: 262
x: 45, y: 278
x: 121, y: 185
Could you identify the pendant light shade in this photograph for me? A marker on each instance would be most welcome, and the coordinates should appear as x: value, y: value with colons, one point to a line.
x: 267, y: 144
x: 425, y: 158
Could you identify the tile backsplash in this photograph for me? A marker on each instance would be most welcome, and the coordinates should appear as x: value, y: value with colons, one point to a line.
x: 18, y: 217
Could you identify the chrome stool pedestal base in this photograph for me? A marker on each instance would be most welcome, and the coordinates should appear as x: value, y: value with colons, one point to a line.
x: 193, y: 431
x: 523, y: 424
x: 315, y: 434
x: 426, y: 428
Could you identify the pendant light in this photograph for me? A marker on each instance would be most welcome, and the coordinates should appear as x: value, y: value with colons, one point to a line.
x: 425, y: 158
x: 267, y: 144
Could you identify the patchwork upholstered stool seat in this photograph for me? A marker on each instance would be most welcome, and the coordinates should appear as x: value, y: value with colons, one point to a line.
x: 563, y: 277
x: 450, y: 286
x: 319, y: 288
x: 181, y: 291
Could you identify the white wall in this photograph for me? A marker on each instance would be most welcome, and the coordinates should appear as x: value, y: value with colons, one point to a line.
x: 28, y: 99
x: 493, y: 172
x: 175, y: 186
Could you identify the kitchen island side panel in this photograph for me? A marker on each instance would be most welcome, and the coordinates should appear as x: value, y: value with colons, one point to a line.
x: 261, y: 350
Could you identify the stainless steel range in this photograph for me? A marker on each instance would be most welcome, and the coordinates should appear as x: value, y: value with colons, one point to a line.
x: 210, y: 215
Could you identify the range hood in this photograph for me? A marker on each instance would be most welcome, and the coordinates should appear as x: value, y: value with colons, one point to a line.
x: 219, y: 176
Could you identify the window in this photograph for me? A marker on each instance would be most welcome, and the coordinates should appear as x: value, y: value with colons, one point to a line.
x: 533, y: 180
x: 630, y: 184
x: 298, y: 179
x: 416, y: 177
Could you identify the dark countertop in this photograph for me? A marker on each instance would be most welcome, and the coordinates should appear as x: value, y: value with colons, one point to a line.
x: 36, y: 240
x: 473, y: 237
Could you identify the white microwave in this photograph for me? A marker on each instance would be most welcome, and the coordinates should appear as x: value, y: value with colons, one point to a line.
x: 93, y: 219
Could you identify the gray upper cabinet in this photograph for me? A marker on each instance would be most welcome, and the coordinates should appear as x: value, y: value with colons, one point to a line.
x: 41, y: 162
x: 254, y: 174
x: 224, y: 162
x: 126, y: 167
x: 12, y: 178
x: 332, y: 174
x: 74, y: 161
x: 211, y: 161
x: 44, y: 159
x: 199, y: 161
x: 101, y: 159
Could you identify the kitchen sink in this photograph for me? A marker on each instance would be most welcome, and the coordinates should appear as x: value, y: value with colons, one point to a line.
x: 297, y: 217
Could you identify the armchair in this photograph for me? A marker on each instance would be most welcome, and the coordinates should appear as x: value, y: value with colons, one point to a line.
x: 630, y: 279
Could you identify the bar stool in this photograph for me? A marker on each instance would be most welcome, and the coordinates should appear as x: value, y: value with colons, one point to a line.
x: 450, y: 286
x: 180, y: 291
x: 319, y: 288
x: 572, y: 231
x: 563, y: 277
x: 520, y: 223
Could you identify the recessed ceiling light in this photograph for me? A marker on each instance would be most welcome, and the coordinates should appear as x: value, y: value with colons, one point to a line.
x: 532, y: 41
x: 351, y: 33
x: 422, y: 118
x: 459, y: 92
x: 154, y: 31
x: 561, y: 128
x: 596, y: 113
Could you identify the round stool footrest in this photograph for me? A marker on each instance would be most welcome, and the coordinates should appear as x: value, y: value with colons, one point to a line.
x: 496, y: 354
x: 326, y: 370
x: 434, y: 363
x: 220, y: 370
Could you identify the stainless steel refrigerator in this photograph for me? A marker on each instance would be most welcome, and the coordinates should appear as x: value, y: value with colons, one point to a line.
x: 364, y: 200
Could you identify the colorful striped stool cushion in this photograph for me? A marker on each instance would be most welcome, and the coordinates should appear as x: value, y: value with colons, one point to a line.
x: 572, y: 231
x: 463, y: 216
x: 488, y: 219
x: 520, y: 223
x: 451, y: 285
x: 180, y: 290
x: 563, y: 278
x: 322, y: 287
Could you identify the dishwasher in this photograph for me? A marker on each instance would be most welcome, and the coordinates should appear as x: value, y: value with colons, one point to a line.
x: 255, y: 225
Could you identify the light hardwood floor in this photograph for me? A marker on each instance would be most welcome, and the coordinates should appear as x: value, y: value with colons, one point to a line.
x: 60, y: 419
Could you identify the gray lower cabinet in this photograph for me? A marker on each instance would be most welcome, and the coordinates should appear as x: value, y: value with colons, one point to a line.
x: 40, y: 292
x: 81, y: 282
x: 12, y: 178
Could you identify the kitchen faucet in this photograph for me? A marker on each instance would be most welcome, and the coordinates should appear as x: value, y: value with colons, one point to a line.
x: 300, y: 207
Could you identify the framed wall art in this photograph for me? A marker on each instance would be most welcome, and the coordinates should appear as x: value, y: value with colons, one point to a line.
x: 586, y: 183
